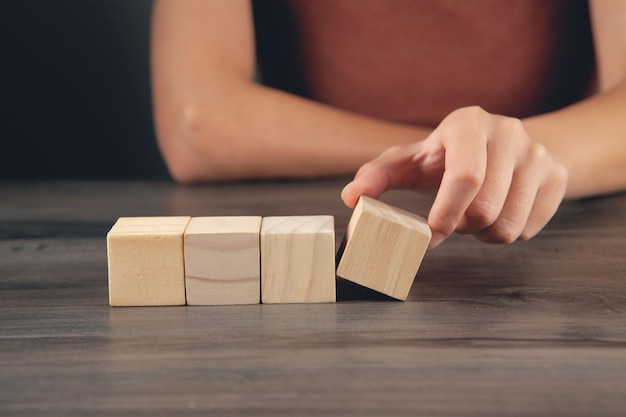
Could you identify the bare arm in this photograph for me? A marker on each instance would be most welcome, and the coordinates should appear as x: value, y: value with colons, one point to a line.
x: 214, y: 123
x: 589, y: 137
x: 502, y: 179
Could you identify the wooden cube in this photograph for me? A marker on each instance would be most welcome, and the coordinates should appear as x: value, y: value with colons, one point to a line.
x: 146, y: 265
x: 383, y: 248
x: 222, y: 260
x: 297, y: 259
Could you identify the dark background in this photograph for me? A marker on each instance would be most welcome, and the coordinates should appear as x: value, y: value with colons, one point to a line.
x: 75, y: 90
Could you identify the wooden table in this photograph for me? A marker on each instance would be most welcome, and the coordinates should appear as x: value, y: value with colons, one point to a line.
x: 534, y: 328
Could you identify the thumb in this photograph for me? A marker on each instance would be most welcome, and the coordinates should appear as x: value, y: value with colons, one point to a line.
x: 392, y: 169
x: 370, y: 183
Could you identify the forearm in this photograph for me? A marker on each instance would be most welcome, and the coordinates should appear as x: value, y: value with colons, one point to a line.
x: 589, y: 138
x: 214, y: 123
x: 250, y: 131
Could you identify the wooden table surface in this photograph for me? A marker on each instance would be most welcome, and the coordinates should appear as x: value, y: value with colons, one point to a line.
x: 534, y: 328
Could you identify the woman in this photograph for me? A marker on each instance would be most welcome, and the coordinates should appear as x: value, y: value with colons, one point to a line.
x: 499, y: 106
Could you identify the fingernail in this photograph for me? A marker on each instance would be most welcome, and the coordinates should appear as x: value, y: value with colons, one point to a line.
x: 436, y: 239
x: 343, y: 194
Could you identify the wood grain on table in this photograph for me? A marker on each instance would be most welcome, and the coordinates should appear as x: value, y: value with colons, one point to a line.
x: 534, y: 328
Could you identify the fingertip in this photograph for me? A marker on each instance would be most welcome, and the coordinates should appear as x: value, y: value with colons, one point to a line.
x: 436, y: 240
x: 367, y: 182
x: 348, y: 195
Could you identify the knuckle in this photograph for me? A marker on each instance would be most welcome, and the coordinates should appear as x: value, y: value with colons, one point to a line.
x: 443, y: 223
x: 511, y: 131
x: 475, y: 111
x: 469, y: 179
x: 513, y: 126
x: 504, y: 231
x: 393, y: 150
x: 561, y: 174
x: 527, y: 235
x: 469, y: 112
x: 482, y: 213
x: 508, y: 236
x: 557, y: 181
x: 538, y: 153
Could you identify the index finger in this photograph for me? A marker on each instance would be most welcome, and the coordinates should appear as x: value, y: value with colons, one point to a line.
x: 464, y: 174
x: 386, y: 172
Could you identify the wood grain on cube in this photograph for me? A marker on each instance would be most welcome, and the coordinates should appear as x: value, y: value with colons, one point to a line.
x: 145, y: 261
x: 383, y: 248
x: 222, y: 260
x: 297, y: 259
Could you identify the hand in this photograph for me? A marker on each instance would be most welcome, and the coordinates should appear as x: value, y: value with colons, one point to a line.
x: 493, y: 180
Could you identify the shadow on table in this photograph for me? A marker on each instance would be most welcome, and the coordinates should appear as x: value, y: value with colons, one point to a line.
x: 349, y: 291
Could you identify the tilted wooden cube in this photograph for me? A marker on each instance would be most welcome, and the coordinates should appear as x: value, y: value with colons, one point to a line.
x: 298, y: 259
x: 145, y: 260
x: 222, y: 260
x: 383, y: 248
